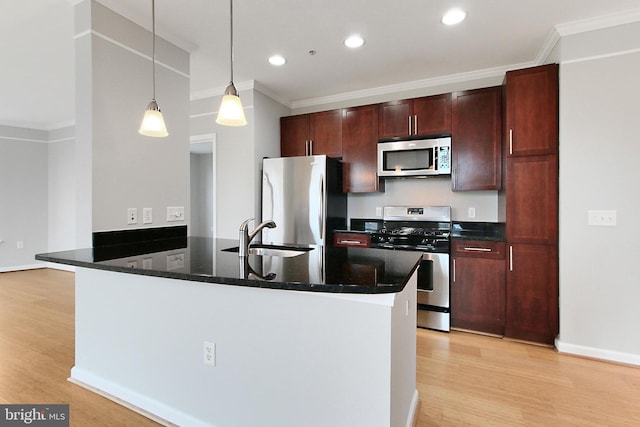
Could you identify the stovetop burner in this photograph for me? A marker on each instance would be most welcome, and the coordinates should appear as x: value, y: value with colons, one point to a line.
x: 424, y: 229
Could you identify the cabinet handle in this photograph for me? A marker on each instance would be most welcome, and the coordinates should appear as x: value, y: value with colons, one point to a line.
x: 478, y: 249
x: 454, y: 270
x: 510, y: 141
x: 410, y: 125
x: 510, y: 258
x: 311, y: 147
x: 351, y: 242
x: 306, y: 147
x: 415, y: 124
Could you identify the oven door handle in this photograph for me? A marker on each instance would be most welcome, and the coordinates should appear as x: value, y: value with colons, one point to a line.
x: 425, y: 275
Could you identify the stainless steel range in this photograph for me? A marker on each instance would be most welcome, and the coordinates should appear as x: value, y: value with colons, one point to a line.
x: 425, y: 229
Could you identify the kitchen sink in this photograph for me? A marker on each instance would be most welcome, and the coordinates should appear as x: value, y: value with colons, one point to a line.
x: 272, y: 250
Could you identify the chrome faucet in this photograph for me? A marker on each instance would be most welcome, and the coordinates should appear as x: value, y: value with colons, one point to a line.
x: 246, y: 237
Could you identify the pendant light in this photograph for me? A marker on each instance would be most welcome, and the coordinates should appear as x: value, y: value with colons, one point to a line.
x: 231, y: 112
x: 153, y: 122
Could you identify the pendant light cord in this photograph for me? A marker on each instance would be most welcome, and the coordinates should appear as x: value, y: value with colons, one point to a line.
x: 153, y: 31
x: 231, y: 38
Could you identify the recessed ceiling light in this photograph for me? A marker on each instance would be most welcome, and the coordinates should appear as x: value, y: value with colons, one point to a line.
x: 354, y: 41
x: 454, y: 16
x: 277, y: 60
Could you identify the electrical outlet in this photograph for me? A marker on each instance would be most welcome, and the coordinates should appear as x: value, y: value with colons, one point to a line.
x: 20, y: 244
x: 471, y: 213
x: 132, y: 216
x: 209, y: 353
x: 378, y: 211
x: 147, y: 215
x: 147, y: 263
x: 132, y: 264
x: 175, y: 214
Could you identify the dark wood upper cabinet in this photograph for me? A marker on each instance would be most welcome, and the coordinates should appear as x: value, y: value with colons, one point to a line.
x: 310, y: 134
x: 360, y: 149
x: 532, y: 111
x: 477, y: 139
x: 424, y: 116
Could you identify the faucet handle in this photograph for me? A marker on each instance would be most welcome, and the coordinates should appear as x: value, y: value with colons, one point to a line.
x: 245, y: 224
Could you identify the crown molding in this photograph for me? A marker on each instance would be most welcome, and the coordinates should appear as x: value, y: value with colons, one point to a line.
x: 598, y: 23
x: 408, y: 86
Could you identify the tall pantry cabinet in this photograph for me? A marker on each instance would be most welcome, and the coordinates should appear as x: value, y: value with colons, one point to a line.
x: 529, y: 202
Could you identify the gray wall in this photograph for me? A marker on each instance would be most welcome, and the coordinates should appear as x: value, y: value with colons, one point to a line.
x: 118, y: 168
x: 23, y: 196
x: 599, y: 154
x: 201, y: 195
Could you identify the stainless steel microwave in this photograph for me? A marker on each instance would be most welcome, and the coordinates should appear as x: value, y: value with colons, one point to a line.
x: 421, y: 157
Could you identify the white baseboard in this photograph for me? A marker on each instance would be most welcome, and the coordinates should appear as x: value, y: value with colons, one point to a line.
x: 411, y: 420
x: 21, y: 267
x: 598, y: 353
x: 63, y: 267
x: 150, y: 408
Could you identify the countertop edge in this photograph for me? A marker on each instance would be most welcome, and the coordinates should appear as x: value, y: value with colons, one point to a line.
x: 291, y: 286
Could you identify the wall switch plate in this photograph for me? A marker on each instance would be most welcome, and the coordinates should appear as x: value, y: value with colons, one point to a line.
x: 175, y: 214
x: 378, y: 211
x: 20, y: 244
x: 132, y: 216
x: 471, y: 213
x: 602, y: 218
x: 209, y: 353
x: 147, y: 263
x: 147, y: 215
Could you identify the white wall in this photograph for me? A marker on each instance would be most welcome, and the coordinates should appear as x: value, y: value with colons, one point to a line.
x: 23, y: 196
x: 239, y: 153
x: 434, y: 191
x: 127, y: 170
x: 599, y: 155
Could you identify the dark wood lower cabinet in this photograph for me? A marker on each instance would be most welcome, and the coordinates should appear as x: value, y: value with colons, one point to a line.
x: 532, y: 293
x: 478, y: 286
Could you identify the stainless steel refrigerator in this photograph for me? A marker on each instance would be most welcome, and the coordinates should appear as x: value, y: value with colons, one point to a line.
x: 304, y: 197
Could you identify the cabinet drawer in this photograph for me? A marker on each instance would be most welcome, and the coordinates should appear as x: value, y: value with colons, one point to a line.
x: 478, y: 249
x: 351, y: 240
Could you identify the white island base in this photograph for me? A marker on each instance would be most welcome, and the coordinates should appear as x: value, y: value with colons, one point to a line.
x: 282, y: 358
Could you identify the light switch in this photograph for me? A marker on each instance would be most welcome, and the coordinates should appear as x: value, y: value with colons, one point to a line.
x: 602, y: 218
x: 147, y: 215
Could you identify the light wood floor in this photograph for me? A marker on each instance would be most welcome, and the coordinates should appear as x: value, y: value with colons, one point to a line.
x: 463, y: 379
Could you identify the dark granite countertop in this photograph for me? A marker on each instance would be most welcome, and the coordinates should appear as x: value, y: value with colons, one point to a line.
x: 335, y: 270
x: 487, y: 231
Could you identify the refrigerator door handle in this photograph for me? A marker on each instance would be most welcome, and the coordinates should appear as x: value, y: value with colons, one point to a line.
x: 321, y: 212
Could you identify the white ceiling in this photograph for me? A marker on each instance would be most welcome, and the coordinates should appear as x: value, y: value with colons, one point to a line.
x: 405, y: 42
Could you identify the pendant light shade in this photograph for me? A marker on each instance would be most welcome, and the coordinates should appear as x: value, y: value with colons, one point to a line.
x: 153, y: 122
x: 231, y: 112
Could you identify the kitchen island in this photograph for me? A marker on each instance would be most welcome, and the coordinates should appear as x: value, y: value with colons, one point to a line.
x: 192, y: 334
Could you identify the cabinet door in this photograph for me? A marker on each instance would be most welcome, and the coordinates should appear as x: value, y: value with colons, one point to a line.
x: 532, y: 199
x: 326, y: 133
x: 294, y: 134
x: 360, y: 149
x: 394, y: 119
x: 432, y: 115
x: 532, y: 293
x: 477, y: 139
x: 477, y: 294
x: 532, y: 111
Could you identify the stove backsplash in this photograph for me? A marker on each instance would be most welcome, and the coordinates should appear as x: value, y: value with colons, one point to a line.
x: 432, y: 191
